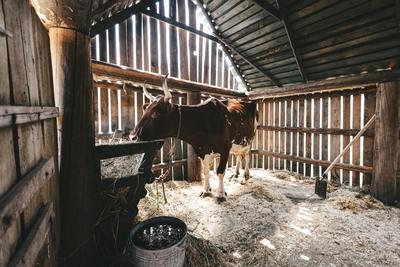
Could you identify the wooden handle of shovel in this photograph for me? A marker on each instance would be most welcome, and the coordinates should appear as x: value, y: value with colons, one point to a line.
x: 360, y: 133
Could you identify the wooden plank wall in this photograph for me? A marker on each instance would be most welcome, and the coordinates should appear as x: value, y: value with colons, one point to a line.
x: 28, y: 161
x: 146, y: 44
x: 304, y: 133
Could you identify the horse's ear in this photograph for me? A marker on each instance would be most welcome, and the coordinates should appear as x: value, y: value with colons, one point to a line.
x: 145, y: 106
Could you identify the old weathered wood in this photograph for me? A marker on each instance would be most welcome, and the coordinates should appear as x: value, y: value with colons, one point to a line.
x: 163, y: 40
x: 139, y: 43
x: 154, y: 42
x: 366, y: 169
x: 14, y: 119
x: 369, y: 110
x: 329, y: 85
x: 173, y: 41
x: 70, y: 59
x: 118, y: 150
x: 18, y: 198
x: 146, y: 43
x: 356, y: 148
x: 386, y: 144
x: 183, y: 37
x: 35, y: 240
x: 111, y: 72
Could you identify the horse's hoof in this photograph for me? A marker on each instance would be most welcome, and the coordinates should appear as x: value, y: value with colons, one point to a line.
x: 219, y: 200
x: 205, y: 194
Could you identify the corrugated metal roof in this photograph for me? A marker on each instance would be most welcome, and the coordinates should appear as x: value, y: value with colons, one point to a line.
x: 332, y: 37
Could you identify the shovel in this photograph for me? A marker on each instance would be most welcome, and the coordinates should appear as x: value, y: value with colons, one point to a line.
x: 321, y: 183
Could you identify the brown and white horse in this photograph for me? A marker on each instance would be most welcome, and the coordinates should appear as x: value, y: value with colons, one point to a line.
x: 211, y: 127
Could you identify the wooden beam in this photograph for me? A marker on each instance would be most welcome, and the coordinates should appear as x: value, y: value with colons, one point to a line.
x: 106, y: 71
x: 118, y: 17
x: 13, y: 115
x: 361, y: 80
x: 18, y: 198
x: 325, y: 163
x: 332, y: 131
x: 290, y: 36
x: 28, y: 251
x: 179, y: 25
x: 125, y: 149
x: 385, y: 185
x: 269, y: 8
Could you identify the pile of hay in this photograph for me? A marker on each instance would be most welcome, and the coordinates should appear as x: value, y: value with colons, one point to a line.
x: 356, y: 202
x: 201, y: 252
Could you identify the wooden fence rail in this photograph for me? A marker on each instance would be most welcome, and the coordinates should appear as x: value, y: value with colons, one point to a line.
x: 304, y: 133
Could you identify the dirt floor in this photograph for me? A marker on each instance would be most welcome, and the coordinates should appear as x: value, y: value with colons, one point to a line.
x: 275, y: 220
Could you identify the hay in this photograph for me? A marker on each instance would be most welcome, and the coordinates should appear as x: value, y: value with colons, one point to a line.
x: 201, y: 252
x: 357, y: 202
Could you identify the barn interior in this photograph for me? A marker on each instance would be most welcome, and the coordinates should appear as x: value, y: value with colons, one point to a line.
x: 324, y: 73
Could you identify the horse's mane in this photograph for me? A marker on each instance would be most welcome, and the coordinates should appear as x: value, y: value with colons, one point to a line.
x: 235, y: 105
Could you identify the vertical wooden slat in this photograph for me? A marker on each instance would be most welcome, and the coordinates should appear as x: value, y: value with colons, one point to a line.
x: 346, y: 139
x: 356, y: 145
x: 300, y: 140
x: 192, y: 42
x: 130, y: 53
x: 112, y: 45
x: 213, y: 52
x: 269, y: 133
x: 260, y: 106
x: 96, y: 110
x: 294, y: 142
x: 263, y: 122
x: 103, y: 46
x: 183, y: 52
x: 316, y: 137
x: 369, y: 111
x: 335, y: 139
x: 104, y: 110
x: 325, y: 137
x: 114, y: 110
x: 200, y: 56
x: 281, y: 133
x: 308, y: 136
x: 123, y: 42
x: 219, y: 66
x: 145, y: 43
x: 289, y: 135
x: 163, y: 41
x: 206, y: 50
x: 154, y: 39
x: 276, y: 134
x: 173, y: 41
x: 139, y: 41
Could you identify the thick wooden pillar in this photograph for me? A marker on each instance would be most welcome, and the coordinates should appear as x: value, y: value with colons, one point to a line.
x: 68, y: 25
x: 194, y: 163
x: 386, y: 183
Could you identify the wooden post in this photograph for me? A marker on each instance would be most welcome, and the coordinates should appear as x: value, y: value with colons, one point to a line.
x: 193, y: 162
x: 71, y: 63
x: 387, y: 144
